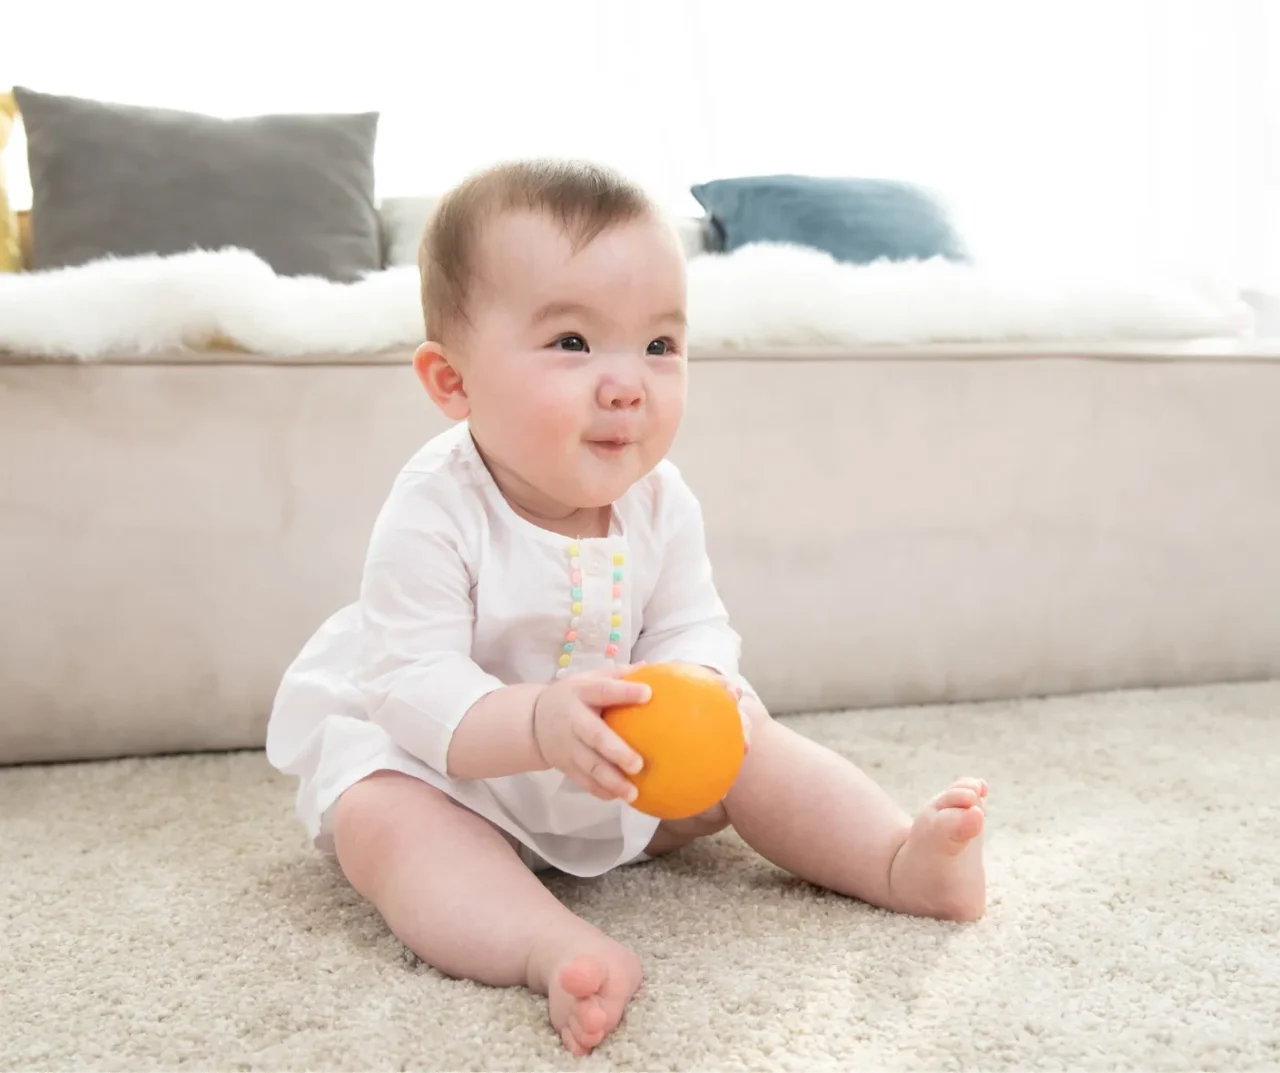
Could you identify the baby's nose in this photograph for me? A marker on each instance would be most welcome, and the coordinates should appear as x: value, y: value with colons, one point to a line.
x: 621, y: 394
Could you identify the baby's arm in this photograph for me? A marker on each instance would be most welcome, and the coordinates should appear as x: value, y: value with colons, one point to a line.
x: 422, y: 685
x: 495, y: 737
x: 684, y: 618
x: 417, y: 673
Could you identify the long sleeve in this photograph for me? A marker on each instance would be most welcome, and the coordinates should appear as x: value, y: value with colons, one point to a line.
x: 417, y: 620
x: 684, y: 619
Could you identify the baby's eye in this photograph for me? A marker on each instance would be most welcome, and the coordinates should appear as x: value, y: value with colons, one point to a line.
x: 571, y: 342
x: 660, y: 347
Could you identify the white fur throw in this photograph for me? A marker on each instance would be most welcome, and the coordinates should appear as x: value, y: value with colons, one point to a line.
x: 757, y: 297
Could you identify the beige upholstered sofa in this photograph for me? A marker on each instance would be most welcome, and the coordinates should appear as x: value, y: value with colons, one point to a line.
x: 888, y: 527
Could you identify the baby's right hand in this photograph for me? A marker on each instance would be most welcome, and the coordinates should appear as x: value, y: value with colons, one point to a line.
x: 570, y: 732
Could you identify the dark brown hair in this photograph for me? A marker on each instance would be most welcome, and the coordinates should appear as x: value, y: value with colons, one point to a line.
x: 583, y: 198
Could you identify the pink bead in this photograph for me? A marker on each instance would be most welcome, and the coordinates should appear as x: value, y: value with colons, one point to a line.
x: 617, y: 591
x: 576, y: 577
x: 572, y: 635
x: 611, y: 650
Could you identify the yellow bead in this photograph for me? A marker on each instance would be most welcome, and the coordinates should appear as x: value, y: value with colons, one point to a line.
x: 619, y: 559
x: 577, y: 608
x: 564, y: 660
x: 616, y: 620
x: 573, y: 550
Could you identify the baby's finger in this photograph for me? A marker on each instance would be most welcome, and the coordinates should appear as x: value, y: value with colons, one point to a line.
x: 604, y: 775
x: 609, y: 692
x: 595, y: 734
x: 746, y: 730
x: 594, y: 788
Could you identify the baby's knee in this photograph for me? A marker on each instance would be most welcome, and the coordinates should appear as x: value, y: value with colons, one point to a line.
x: 756, y: 715
x: 371, y: 818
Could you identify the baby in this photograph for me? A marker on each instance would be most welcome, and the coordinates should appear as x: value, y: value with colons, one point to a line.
x: 446, y: 730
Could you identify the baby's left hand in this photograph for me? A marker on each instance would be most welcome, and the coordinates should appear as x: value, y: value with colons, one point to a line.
x: 736, y: 691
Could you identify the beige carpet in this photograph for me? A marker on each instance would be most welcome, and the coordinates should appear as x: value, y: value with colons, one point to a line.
x: 166, y: 913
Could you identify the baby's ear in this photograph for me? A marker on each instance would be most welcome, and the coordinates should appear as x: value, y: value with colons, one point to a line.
x: 442, y: 381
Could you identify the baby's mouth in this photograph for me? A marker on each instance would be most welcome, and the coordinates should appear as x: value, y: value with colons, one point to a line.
x: 610, y: 446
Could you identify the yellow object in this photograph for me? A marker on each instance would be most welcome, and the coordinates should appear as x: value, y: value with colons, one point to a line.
x: 615, y: 620
x: 10, y: 248
x: 619, y: 558
x: 689, y: 735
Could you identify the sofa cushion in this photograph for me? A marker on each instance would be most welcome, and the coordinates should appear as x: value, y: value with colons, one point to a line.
x: 855, y: 220
x: 298, y: 190
x: 897, y: 528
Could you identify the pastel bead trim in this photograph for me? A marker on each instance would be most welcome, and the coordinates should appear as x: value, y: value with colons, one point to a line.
x: 571, y: 635
x: 577, y: 594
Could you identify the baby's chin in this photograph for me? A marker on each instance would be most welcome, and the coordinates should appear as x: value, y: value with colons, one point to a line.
x: 593, y: 490
x: 593, y: 495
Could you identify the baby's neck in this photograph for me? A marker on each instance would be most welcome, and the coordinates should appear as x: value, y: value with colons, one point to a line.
x: 584, y: 524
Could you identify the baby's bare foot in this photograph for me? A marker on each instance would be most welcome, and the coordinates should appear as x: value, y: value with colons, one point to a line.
x: 938, y: 870
x: 587, y: 993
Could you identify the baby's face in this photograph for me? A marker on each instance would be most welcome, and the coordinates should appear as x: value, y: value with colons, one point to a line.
x: 574, y: 362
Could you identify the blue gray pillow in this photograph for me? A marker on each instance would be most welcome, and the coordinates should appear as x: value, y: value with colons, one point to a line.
x: 855, y: 220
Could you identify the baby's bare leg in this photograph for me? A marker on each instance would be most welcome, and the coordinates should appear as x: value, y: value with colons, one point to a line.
x: 815, y: 814
x: 672, y: 835
x: 453, y: 890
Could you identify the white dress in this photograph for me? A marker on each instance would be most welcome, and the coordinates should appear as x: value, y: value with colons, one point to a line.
x: 460, y: 596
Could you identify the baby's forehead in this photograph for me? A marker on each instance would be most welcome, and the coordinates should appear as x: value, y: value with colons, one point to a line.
x: 502, y: 236
x: 532, y: 258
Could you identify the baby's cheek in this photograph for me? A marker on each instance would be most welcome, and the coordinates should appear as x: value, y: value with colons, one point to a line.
x: 555, y: 405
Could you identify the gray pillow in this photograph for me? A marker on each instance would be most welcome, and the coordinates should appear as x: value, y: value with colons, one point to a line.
x: 121, y: 180
x: 855, y: 220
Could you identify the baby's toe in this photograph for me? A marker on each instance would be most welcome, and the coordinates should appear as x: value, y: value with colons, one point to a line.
x: 957, y: 797
x: 962, y: 824
x: 571, y: 1042
x: 588, y: 1020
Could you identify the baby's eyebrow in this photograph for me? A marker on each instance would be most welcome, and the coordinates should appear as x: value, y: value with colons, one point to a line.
x: 556, y: 309
x: 552, y: 310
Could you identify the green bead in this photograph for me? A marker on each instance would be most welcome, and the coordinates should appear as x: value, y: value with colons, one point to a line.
x: 569, y: 647
x: 617, y: 575
x: 615, y: 637
x: 577, y: 594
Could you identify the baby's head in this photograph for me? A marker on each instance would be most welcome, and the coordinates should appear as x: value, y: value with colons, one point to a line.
x: 554, y: 300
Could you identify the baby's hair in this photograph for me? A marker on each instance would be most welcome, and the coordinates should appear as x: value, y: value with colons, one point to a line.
x: 583, y: 198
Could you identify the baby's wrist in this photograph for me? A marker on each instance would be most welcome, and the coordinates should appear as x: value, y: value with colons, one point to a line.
x: 534, y: 738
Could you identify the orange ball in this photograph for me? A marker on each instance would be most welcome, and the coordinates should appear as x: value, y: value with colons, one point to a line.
x: 689, y: 734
